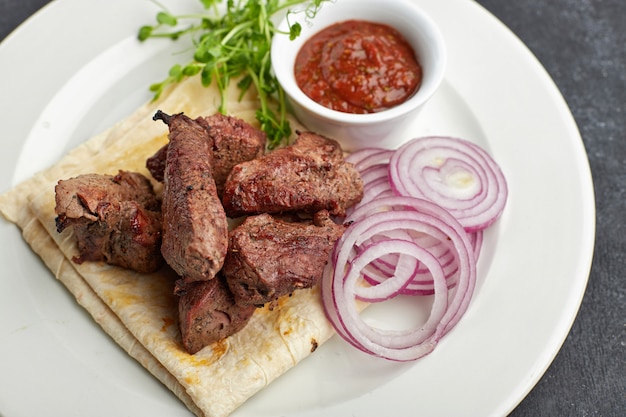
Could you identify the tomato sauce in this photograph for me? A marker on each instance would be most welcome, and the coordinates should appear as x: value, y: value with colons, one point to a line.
x: 358, y: 67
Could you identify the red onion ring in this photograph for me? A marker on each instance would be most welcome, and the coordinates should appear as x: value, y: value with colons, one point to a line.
x: 454, y: 173
x: 407, y: 203
x: 368, y: 157
x: 339, y: 286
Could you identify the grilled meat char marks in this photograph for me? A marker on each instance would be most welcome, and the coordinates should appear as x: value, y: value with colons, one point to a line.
x: 233, y: 141
x: 208, y: 313
x: 116, y: 219
x: 269, y: 257
x: 195, y: 228
x: 310, y: 175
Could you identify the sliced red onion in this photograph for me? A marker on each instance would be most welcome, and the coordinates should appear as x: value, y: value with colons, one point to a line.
x: 477, y: 242
x: 366, y: 241
x: 454, y: 173
x: 357, y: 156
x: 374, y: 173
x: 422, y: 207
x: 368, y: 157
x: 417, y: 231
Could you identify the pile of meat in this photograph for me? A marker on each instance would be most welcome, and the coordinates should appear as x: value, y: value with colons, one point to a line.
x: 287, y: 205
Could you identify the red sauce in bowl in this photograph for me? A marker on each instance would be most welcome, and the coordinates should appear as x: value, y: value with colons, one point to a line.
x: 358, y: 67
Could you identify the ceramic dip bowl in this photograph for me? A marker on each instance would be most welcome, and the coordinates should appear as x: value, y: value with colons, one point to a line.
x: 379, y: 128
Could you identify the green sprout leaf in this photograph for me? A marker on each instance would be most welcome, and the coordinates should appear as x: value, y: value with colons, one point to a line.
x: 294, y: 31
x: 144, y: 33
x: 165, y: 18
x: 234, y: 42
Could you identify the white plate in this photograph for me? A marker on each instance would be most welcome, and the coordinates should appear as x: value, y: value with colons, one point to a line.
x: 75, y: 68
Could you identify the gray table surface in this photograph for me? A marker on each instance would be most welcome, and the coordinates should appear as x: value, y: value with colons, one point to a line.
x: 582, y: 44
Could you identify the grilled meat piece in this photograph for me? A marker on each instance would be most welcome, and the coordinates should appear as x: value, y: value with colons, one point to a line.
x: 233, y: 140
x: 208, y: 313
x: 310, y: 175
x: 268, y: 257
x: 195, y: 228
x: 116, y: 219
x: 156, y: 163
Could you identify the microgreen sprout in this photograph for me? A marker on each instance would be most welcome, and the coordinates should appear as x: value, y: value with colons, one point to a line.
x: 234, y: 42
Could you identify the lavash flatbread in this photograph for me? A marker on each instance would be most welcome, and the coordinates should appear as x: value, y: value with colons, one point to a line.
x: 138, y: 310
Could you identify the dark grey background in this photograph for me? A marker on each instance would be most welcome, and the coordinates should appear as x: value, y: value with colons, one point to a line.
x: 582, y: 44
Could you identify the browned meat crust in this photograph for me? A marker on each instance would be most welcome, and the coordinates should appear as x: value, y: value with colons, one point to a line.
x: 234, y: 141
x: 116, y: 219
x: 310, y: 175
x: 156, y: 163
x: 208, y: 313
x: 195, y: 228
x: 269, y: 258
